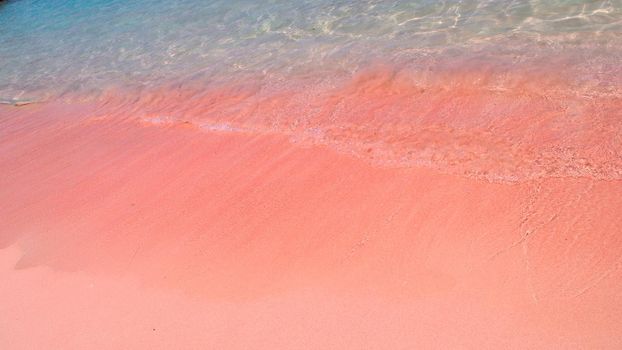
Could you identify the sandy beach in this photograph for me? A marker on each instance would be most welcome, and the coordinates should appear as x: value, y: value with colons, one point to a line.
x: 118, y: 233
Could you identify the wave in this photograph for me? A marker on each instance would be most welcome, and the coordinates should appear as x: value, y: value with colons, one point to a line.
x: 499, y: 127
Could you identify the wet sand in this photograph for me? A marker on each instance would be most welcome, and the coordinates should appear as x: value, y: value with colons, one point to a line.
x: 123, y: 234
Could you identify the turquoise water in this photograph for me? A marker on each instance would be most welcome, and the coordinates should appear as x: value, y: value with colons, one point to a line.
x: 50, y: 48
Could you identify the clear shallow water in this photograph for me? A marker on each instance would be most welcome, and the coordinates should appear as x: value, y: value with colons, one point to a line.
x: 504, y: 90
x: 61, y: 46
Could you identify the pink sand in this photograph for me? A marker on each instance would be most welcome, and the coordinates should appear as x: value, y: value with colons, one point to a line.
x: 122, y: 234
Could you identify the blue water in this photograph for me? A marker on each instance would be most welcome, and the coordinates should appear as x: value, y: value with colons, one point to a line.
x: 51, y: 48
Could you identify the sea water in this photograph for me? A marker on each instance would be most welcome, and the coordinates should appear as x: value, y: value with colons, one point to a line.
x: 498, y: 90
